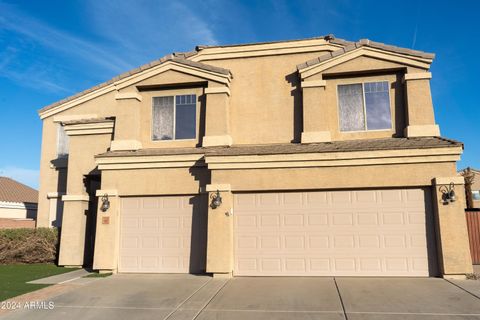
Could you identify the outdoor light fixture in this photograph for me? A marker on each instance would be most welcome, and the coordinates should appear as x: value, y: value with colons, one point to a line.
x: 105, y: 203
x: 448, y: 193
x: 216, y: 200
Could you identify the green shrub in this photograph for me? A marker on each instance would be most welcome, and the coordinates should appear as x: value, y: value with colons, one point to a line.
x: 27, y: 245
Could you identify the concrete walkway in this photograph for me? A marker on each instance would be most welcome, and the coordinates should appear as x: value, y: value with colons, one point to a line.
x: 62, y: 278
x: 187, y: 297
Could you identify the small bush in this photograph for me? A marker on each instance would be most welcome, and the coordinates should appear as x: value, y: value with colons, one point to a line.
x: 26, y: 245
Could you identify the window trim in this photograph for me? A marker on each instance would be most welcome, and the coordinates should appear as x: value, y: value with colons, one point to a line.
x: 365, y: 108
x: 67, y: 142
x: 174, y: 117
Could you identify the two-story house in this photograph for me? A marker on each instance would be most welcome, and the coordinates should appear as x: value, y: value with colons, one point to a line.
x: 314, y: 157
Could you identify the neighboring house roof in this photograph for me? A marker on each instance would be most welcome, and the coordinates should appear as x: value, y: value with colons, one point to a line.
x: 473, y: 169
x: 291, y: 148
x: 14, y: 191
x: 350, y: 46
x: 180, y: 58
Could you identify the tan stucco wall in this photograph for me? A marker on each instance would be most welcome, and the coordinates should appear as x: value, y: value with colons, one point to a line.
x: 156, y: 181
x: 53, y: 179
x: 265, y: 102
x: 452, y: 234
x: 333, y: 177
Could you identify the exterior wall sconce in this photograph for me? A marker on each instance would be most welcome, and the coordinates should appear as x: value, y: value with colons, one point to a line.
x: 105, y: 203
x: 448, y: 193
x: 216, y: 200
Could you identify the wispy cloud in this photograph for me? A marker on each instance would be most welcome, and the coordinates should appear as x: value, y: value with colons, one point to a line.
x: 57, y: 40
x: 147, y: 29
x: 27, y: 176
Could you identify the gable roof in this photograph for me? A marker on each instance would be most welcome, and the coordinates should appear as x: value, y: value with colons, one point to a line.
x: 14, y: 191
x: 180, y: 58
x: 350, y: 46
x: 184, y: 58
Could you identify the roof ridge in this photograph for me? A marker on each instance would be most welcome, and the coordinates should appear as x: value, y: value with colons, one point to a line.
x: 180, y: 57
x: 350, y: 46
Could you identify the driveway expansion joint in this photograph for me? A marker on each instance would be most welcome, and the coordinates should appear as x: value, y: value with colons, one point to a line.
x: 456, y: 285
x: 340, y: 297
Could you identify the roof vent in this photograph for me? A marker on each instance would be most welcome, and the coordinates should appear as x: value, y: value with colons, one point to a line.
x: 329, y: 37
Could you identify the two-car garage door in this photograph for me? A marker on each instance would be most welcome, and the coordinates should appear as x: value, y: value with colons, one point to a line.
x: 386, y: 232
x: 349, y: 233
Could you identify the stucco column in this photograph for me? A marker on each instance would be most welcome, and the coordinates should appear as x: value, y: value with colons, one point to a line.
x: 107, y: 233
x: 315, y: 117
x: 452, y: 235
x: 127, y: 122
x: 217, y: 118
x: 420, y: 116
x: 220, y: 232
x: 87, y: 139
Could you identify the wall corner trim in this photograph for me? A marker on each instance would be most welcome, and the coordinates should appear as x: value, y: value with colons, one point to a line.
x: 219, y: 186
x: 125, y: 145
x: 314, y: 83
x: 54, y: 195
x: 217, y: 141
x: 128, y: 95
x: 417, y: 76
x: 443, y: 181
x: 316, y: 136
x: 75, y: 197
x: 108, y: 192
x: 428, y: 130
x: 215, y: 90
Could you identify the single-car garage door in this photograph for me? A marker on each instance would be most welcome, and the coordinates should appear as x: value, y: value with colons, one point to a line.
x: 157, y: 234
x: 346, y: 233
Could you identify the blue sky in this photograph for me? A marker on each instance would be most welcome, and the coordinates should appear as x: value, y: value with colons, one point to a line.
x: 53, y: 49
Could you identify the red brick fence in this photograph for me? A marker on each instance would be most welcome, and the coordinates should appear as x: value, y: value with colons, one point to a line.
x: 6, y: 223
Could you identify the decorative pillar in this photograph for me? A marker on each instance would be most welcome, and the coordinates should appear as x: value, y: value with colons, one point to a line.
x: 217, y: 118
x: 315, y: 113
x: 107, y: 232
x: 127, y: 122
x: 87, y: 138
x: 420, y: 116
x: 452, y: 234
x: 220, y: 232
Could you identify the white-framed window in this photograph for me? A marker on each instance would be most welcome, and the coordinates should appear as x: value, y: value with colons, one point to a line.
x: 62, y: 141
x: 364, y: 106
x: 476, y: 194
x: 174, y: 117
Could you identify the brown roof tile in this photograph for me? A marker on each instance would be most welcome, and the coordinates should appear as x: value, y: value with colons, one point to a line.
x: 292, y: 148
x: 349, y: 46
x: 171, y: 57
x: 14, y: 191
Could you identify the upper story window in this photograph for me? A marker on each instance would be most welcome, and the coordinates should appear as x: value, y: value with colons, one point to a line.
x: 174, y: 117
x: 62, y: 142
x: 364, y: 106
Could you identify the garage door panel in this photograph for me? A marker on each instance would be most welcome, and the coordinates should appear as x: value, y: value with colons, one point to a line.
x: 385, y: 235
x: 163, y: 234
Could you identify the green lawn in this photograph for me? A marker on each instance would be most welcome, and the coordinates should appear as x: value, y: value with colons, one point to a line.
x: 13, y: 278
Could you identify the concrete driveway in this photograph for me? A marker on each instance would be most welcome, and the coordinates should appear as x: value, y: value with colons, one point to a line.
x: 189, y: 297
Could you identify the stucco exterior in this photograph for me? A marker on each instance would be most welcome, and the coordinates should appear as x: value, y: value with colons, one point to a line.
x: 279, y: 95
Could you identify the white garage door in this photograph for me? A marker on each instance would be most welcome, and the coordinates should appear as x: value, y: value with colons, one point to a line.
x: 157, y: 235
x: 344, y: 233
